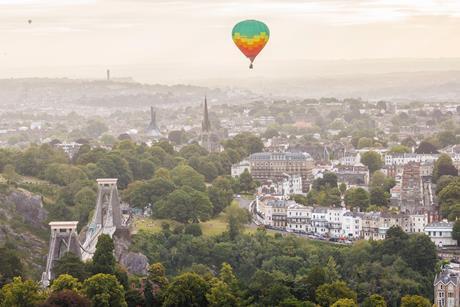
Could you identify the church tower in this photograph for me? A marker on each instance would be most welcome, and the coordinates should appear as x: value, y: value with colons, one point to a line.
x: 153, y: 130
x: 209, y: 140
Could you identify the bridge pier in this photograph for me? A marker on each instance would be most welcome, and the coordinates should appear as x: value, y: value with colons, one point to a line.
x: 63, y: 239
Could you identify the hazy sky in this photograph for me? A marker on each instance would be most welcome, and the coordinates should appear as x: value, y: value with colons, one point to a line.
x: 184, y: 40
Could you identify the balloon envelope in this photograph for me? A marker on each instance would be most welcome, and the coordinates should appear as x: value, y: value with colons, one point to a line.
x: 250, y: 36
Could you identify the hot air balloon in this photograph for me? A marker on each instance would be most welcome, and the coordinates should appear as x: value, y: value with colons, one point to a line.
x: 250, y: 36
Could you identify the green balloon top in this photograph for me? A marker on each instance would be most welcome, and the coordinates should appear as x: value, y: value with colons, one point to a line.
x: 250, y: 28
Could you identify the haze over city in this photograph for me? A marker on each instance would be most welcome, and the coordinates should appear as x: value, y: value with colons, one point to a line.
x: 189, y: 41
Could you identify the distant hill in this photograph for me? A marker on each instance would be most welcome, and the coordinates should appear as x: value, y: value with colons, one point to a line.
x: 51, y: 92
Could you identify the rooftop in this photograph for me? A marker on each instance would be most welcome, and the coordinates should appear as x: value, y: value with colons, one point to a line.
x: 280, y: 156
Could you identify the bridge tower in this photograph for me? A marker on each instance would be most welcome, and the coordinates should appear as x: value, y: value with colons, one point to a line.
x: 64, y: 238
x: 107, y: 216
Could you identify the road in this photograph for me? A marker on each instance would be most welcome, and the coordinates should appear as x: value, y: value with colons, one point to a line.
x: 243, y: 202
x: 246, y: 204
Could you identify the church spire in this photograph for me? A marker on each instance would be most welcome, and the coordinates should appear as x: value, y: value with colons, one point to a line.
x: 206, y: 124
x: 153, y: 117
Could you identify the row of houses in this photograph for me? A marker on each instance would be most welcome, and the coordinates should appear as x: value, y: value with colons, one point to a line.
x: 340, y: 222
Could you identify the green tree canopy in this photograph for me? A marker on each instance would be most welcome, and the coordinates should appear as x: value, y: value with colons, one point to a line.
x: 328, y: 294
x: 415, y: 301
x: 104, y: 259
x: 186, y: 290
x: 66, y: 282
x: 70, y: 264
x: 21, y: 293
x: 357, y: 197
x: 185, y: 205
x: 372, y: 160
x: 104, y: 290
x: 374, y: 300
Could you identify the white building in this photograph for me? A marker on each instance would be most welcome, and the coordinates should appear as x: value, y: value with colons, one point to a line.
x: 350, y: 159
x: 417, y: 223
x: 239, y: 168
x: 352, y: 225
x: 298, y: 218
x: 335, y: 220
x: 441, y: 233
x: 291, y: 185
x: 319, y: 222
x: 402, y: 159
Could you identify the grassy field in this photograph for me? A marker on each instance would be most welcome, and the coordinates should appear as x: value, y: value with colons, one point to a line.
x: 212, y: 227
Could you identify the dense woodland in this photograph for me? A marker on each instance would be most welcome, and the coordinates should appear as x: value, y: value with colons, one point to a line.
x: 236, y: 269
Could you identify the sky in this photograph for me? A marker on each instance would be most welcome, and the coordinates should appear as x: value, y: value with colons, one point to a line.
x: 176, y: 41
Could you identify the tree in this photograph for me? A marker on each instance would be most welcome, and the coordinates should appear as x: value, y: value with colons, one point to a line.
x: 135, y: 298
x: 374, y: 300
x: 365, y: 142
x: 115, y: 166
x: 245, y: 143
x: 221, y: 295
x: 184, y: 175
x: 220, y: 194
x: 420, y: 253
x: 449, y: 197
x: 328, y: 181
x: 246, y: 182
x: 9, y: 172
x: 66, y: 298
x: 103, y: 259
x: 21, y: 293
x: 70, y: 264
x: 84, y: 203
x: 426, y: 147
x: 357, y: 197
x: 185, y: 205
x: 379, y: 180
x: 379, y: 197
x: 236, y: 218
x: 157, y: 275
x: 446, y: 138
x: 193, y: 229
x: 141, y: 193
x: 345, y: 302
x: 305, y: 286
x: 328, y: 294
x: 66, y: 282
x: 444, y: 167
x: 343, y: 188
x: 456, y: 231
x: 10, y: 263
x: 186, y: 290
x: 400, y: 149
x: 408, y: 142
x: 270, y: 133
x: 415, y: 301
x: 331, y: 270
x: 104, y: 290
x: 95, y: 128
x: 372, y: 160
x: 227, y: 276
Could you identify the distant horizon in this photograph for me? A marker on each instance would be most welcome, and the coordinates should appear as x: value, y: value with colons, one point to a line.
x: 178, y: 40
x: 314, y: 69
